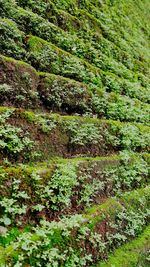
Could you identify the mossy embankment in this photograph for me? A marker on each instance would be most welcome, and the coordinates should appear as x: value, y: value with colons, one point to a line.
x: 67, y: 186
x: 22, y: 86
x: 74, y: 133
x: 106, y: 225
x: 27, y: 136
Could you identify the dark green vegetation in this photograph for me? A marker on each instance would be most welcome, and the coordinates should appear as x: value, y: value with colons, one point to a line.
x: 74, y: 133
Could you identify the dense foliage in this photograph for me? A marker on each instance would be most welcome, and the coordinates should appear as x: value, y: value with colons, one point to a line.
x: 74, y: 133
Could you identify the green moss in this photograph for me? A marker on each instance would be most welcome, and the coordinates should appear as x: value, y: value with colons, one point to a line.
x: 4, y: 109
x: 129, y: 254
x: 29, y: 116
x: 103, y: 212
x: 17, y: 62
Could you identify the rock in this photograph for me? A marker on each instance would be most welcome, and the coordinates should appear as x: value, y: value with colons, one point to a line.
x: 3, y: 230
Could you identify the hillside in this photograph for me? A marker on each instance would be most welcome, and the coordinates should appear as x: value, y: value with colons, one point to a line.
x: 74, y: 133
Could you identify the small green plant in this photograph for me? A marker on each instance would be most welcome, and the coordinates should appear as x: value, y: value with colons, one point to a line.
x: 82, y: 134
x: 12, y: 141
x: 5, y: 89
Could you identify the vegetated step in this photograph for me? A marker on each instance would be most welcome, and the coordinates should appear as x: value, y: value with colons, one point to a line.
x: 38, y: 47
x: 104, y: 80
x: 60, y: 187
x: 112, y: 21
x: 85, y: 22
x: 134, y: 253
x: 28, y: 136
x: 61, y: 18
x: 62, y: 63
x: 29, y: 22
x: 79, y: 26
x: 22, y: 86
x: 79, y: 239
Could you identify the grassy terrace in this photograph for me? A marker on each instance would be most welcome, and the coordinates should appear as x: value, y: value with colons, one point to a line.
x: 74, y: 133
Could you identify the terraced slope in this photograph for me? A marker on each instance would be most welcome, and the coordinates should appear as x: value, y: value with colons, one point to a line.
x: 74, y: 133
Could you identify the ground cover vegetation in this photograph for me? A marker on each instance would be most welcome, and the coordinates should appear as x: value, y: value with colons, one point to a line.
x: 74, y: 133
